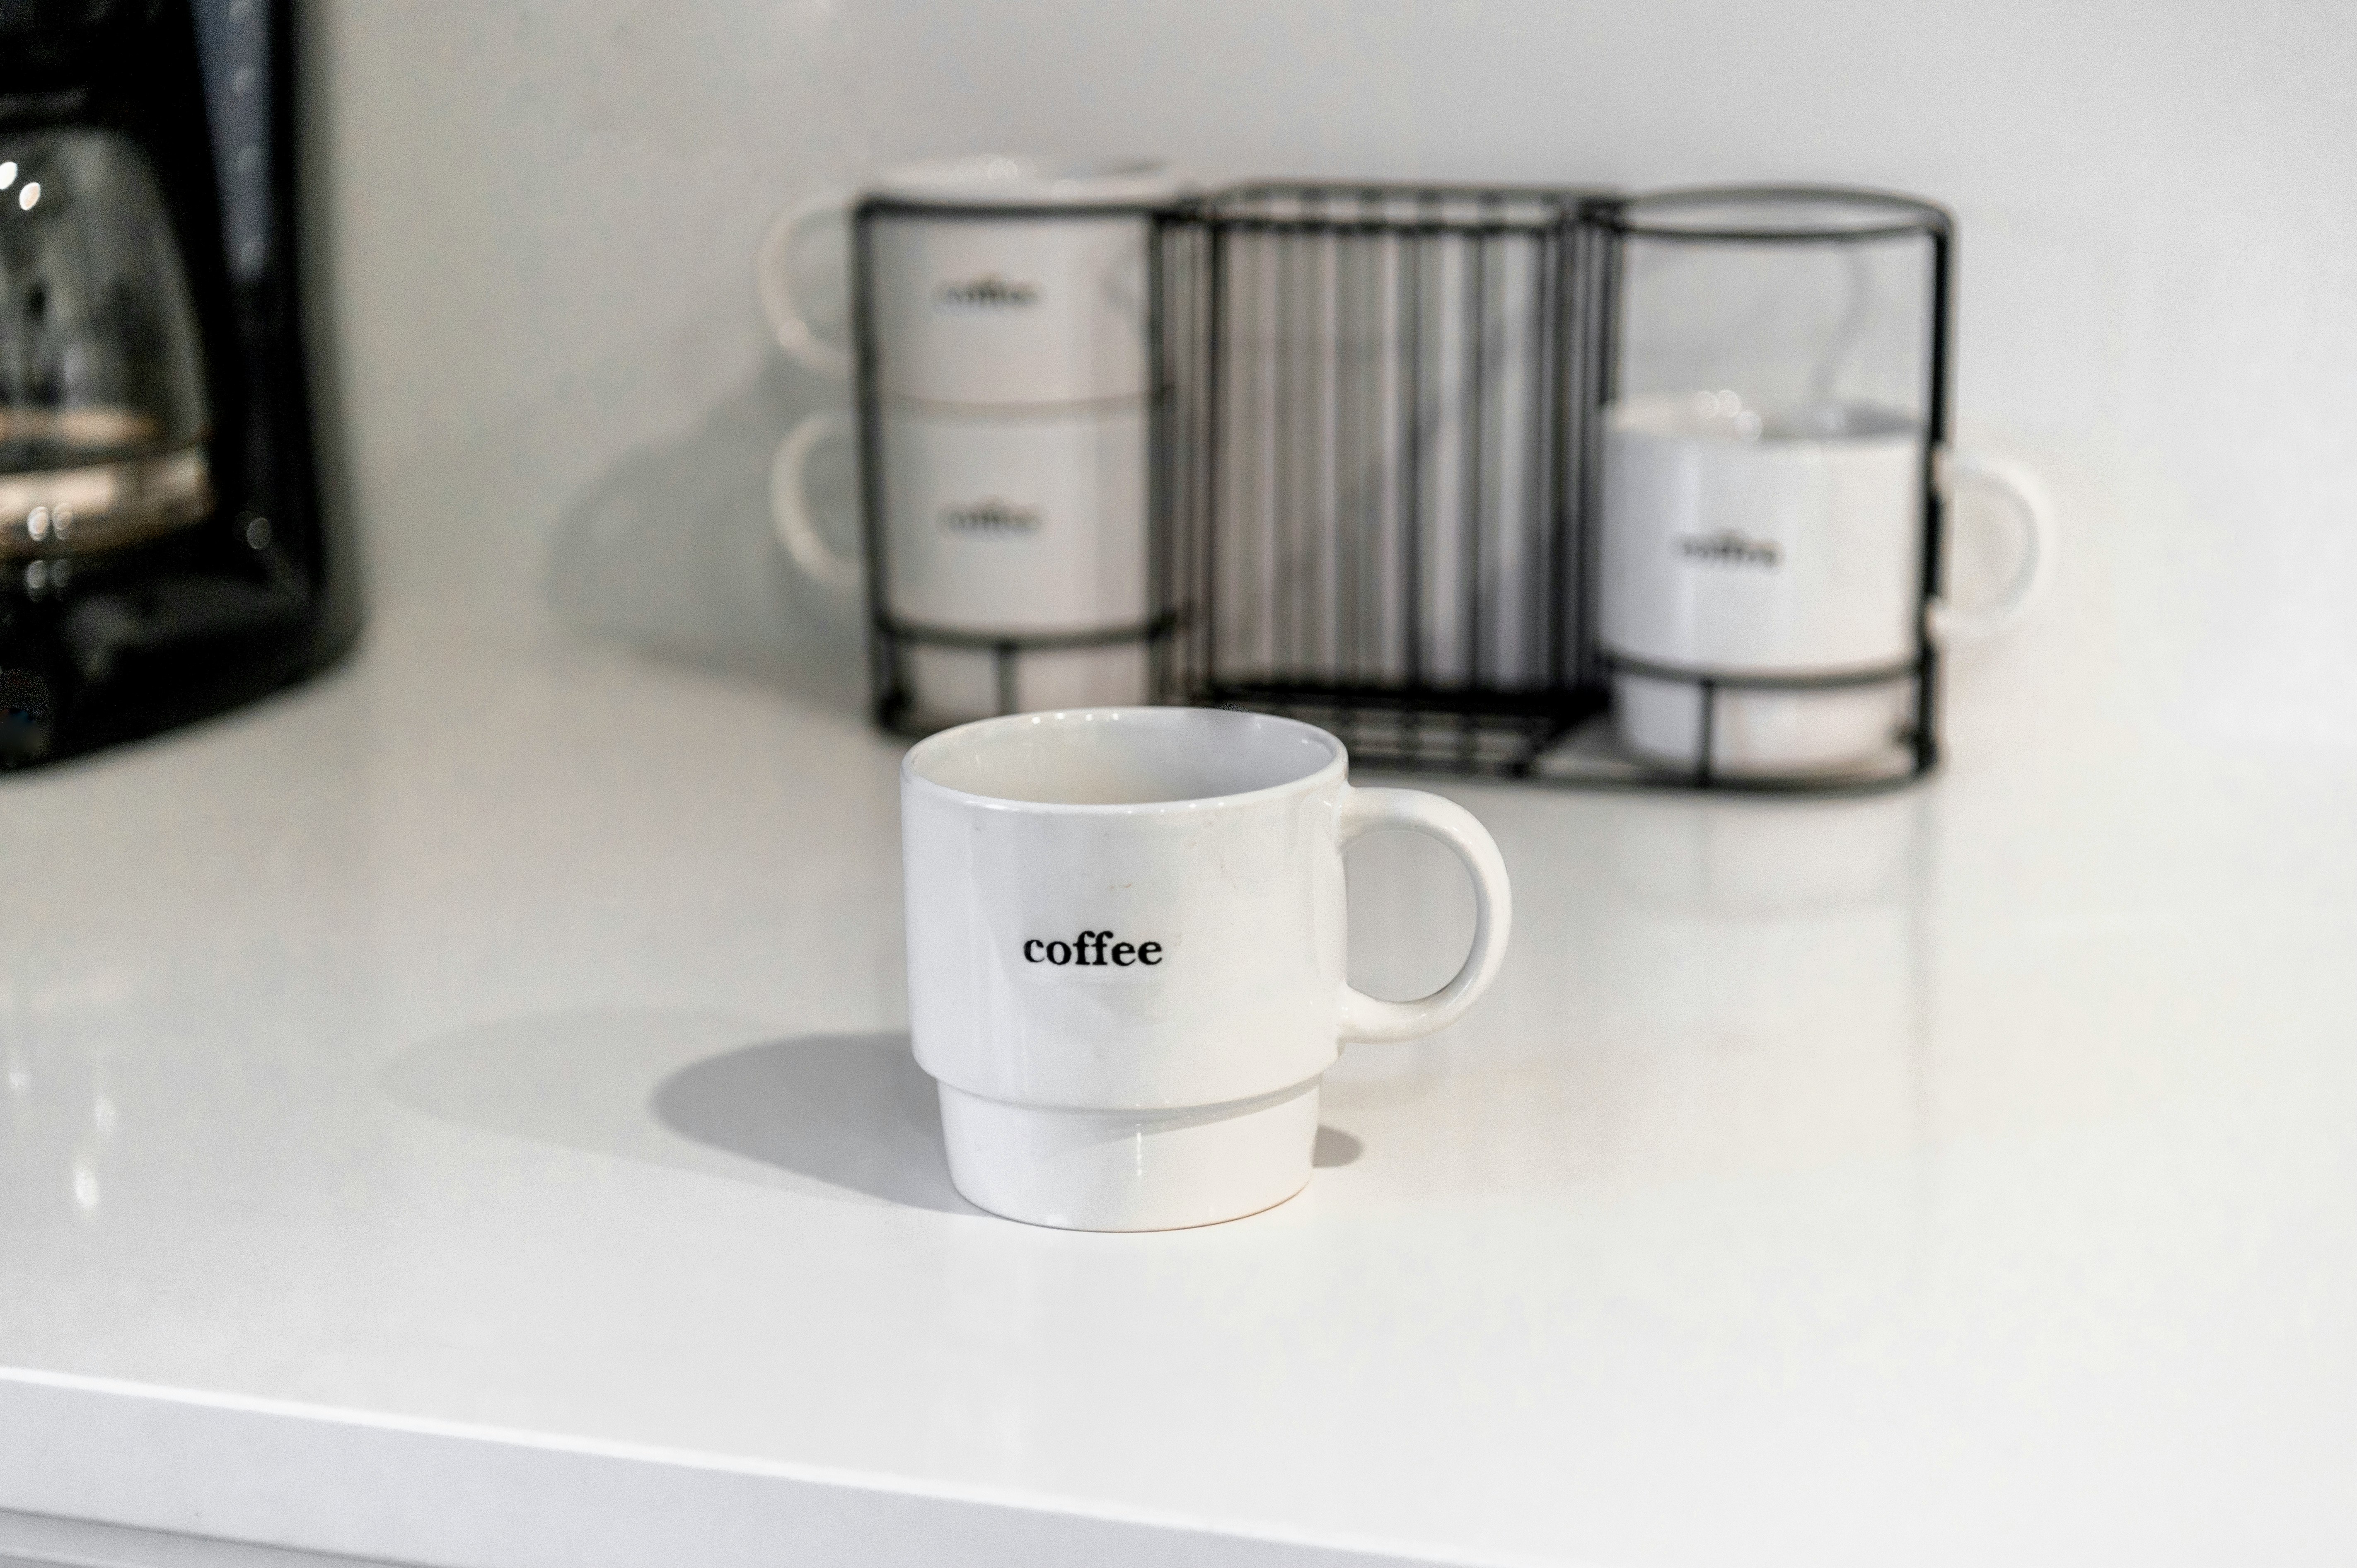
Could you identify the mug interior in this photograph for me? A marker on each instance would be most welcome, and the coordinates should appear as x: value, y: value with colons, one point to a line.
x: 1124, y: 757
x: 1728, y: 416
x: 1800, y: 213
x: 1017, y: 180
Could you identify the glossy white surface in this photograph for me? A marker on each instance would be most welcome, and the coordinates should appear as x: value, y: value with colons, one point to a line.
x: 456, y: 1052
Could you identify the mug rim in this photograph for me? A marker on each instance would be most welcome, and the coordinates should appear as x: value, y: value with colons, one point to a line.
x: 1028, y: 179
x: 1673, y: 416
x: 1682, y: 214
x: 1336, y: 764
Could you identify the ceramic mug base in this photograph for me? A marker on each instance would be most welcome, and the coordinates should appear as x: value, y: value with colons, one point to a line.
x: 953, y: 685
x: 1130, y: 1170
x: 1763, y: 734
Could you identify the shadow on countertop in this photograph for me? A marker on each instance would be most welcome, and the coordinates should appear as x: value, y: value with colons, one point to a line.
x: 843, y: 1115
x: 671, y: 551
x: 852, y: 1111
x: 848, y: 1115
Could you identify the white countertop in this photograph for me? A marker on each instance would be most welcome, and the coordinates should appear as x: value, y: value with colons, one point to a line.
x: 457, y: 1112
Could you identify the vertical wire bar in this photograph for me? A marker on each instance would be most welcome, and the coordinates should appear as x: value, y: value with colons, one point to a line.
x: 1308, y: 543
x: 1329, y: 413
x: 1249, y: 534
x: 1201, y: 509
x: 1188, y: 369
x: 1526, y: 509
x: 1389, y: 662
x: 1538, y: 458
x: 1205, y: 510
x: 1473, y: 457
x: 1574, y: 346
x: 1375, y: 469
x: 1350, y: 400
x: 1927, y: 689
x: 1268, y: 352
x: 1310, y: 539
x: 1604, y: 322
x: 1214, y: 491
x: 886, y: 677
x: 1385, y: 663
x: 1284, y: 418
x: 1411, y: 542
x: 1707, y: 741
x: 1161, y: 415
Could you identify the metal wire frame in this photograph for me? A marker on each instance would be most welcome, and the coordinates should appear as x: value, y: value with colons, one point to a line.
x: 1471, y: 718
x: 1903, y: 215
x: 1367, y: 464
x: 1430, y: 247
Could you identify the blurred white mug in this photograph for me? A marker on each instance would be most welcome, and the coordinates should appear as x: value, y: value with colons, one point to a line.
x: 1741, y: 543
x: 1005, y: 525
x: 994, y: 280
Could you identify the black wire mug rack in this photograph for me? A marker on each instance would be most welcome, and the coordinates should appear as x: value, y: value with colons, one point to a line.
x: 1371, y: 459
x: 1384, y: 456
x: 1831, y: 300
x: 1386, y: 421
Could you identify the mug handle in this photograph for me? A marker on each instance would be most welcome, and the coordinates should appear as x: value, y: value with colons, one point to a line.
x: 790, y: 502
x: 775, y: 284
x: 2020, y: 491
x: 1366, y: 1018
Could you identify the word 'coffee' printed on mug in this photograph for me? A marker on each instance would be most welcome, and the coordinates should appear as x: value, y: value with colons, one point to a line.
x: 1728, y: 548
x: 988, y: 292
x: 1092, y: 949
x: 991, y: 519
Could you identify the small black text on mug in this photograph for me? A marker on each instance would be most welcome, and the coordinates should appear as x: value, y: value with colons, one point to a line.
x: 1092, y: 949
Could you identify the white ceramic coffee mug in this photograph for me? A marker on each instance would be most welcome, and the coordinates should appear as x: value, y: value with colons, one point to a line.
x: 1737, y: 543
x: 1019, y: 525
x: 1126, y: 954
x: 1046, y: 303
x: 1007, y: 522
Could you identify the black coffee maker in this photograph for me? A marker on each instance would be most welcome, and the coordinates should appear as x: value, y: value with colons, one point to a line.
x: 164, y: 553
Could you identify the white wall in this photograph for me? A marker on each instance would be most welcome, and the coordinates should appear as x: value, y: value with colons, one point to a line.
x: 543, y: 217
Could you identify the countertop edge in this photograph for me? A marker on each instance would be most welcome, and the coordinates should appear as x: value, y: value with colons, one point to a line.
x: 385, y: 1490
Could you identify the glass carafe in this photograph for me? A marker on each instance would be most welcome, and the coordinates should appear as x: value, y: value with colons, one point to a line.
x: 103, y: 408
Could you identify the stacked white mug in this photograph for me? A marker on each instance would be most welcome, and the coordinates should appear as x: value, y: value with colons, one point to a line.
x: 1739, y: 546
x: 1777, y: 436
x: 1008, y: 313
